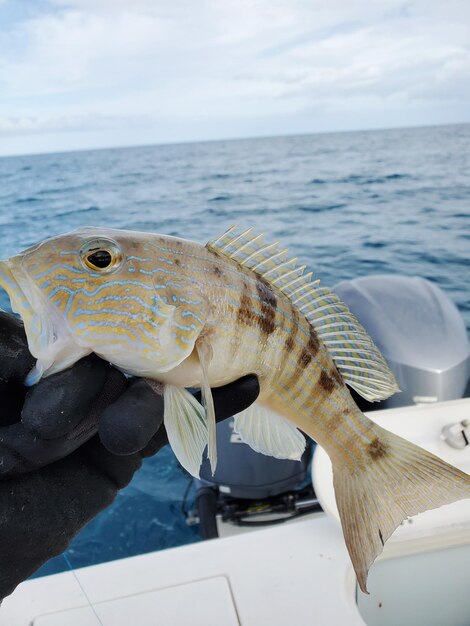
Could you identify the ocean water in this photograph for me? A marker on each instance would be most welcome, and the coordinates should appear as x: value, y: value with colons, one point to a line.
x: 347, y: 204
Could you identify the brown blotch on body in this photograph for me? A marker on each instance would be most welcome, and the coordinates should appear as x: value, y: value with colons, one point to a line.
x: 310, y: 350
x: 304, y: 358
x: 377, y: 449
x: 326, y: 382
x: 334, y: 422
x: 296, y: 374
x: 177, y: 262
x: 266, y: 321
x: 217, y: 271
x: 245, y: 314
x: 313, y: 342
x: 289, y: 343
x: 294, y: 325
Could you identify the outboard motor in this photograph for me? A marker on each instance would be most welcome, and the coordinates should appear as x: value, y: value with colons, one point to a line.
x: 423, y: 338
x: 250, y: 489
x: 419, y: 331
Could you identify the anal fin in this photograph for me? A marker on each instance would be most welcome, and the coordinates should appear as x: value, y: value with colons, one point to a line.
x: 269, y: 433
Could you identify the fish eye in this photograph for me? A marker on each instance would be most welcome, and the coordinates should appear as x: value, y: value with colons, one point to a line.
x: 101, y: 255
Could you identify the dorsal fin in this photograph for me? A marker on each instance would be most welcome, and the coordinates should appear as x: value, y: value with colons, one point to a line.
x: 355, y: 354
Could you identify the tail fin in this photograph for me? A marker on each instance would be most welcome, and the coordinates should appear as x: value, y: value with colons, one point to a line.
x: 397, y: 480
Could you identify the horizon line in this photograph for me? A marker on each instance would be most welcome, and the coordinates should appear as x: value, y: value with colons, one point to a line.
x: 228, y: 139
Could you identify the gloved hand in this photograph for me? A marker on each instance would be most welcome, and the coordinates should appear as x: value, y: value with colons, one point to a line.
x: 56, y: 474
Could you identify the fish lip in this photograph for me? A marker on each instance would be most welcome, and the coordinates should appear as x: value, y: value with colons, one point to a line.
x: 20, y: 304
x: 13, y: 288
x: 46, y: 329
x: 13, y: 282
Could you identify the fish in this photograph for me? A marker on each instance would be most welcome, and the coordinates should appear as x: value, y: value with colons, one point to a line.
x: 192, y: 315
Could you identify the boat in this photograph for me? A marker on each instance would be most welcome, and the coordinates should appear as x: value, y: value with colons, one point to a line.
x: 280, y: 558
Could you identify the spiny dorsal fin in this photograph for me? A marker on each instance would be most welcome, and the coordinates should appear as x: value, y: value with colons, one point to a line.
x: 356, y: 356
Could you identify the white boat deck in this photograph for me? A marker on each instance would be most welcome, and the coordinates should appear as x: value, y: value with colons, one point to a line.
x: 274, y: 577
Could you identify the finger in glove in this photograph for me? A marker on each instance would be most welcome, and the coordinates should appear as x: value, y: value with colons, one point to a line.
x: 130, y: 423
x: 22, y: 450
x: 56, y: 405
x: 16, y: 360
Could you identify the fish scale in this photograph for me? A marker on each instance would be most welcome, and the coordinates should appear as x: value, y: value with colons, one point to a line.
x: 189, y: 315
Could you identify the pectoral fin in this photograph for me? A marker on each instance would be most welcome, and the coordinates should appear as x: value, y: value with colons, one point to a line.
x: 179, y: 319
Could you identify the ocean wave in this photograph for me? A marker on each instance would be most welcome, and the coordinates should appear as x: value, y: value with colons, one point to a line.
x: 359, y: 179
x: 89, y: 209
x: 221, y: 198
x: 28, y: 200
x: 375, y: 244
x: 323, y: 208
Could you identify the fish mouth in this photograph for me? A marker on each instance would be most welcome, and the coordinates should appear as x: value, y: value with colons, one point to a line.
x: 19, y: 301
x: 49, y: 338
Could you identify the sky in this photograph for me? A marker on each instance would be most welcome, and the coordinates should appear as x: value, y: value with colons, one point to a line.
x: 77, y: 74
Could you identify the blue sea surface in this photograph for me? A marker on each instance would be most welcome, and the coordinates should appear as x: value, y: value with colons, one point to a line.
x: 347, y: 204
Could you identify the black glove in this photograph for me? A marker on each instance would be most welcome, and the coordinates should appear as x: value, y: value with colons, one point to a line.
x: 52, y: 426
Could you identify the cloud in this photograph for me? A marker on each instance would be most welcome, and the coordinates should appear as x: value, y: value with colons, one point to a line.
x: 28, y: 124
x: 101, y: 64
